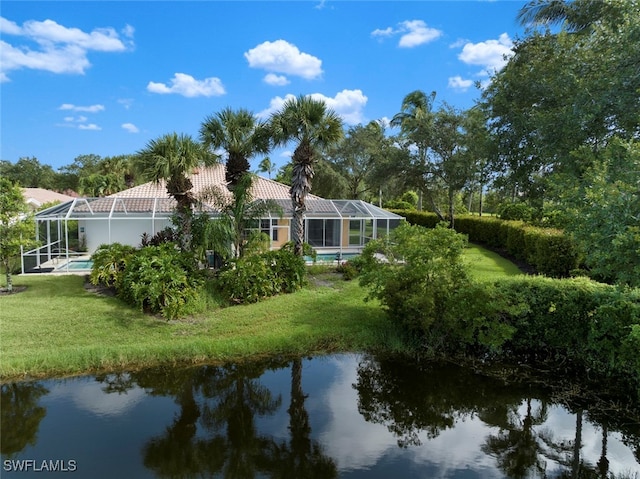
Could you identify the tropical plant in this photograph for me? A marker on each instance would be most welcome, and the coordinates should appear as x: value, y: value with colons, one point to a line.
x: 240, y: 134
x: 239, y: 216
x: 109, y: 263
x: 160, y: 279
x: 313, y: 126
x: 171, y: 158
x: 267, y: 166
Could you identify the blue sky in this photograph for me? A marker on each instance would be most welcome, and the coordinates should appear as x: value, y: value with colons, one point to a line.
x: 105, y: 78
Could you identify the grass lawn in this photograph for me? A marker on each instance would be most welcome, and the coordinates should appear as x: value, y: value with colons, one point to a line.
x: 55, y: 327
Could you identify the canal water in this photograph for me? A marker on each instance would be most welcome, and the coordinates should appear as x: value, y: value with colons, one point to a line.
x: 339, y: 416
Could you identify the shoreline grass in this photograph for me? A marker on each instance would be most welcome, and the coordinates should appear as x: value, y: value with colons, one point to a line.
x: 57, y: 328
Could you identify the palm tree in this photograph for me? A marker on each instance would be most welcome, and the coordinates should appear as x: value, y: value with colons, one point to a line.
x: 172, y: 158
x: 313, y: 126
x: 415, y: 121
x: 240, y: 134
x: 576, y: 15
x: 267, y: 166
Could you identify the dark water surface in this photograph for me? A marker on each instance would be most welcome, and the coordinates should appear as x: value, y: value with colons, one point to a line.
x: 347, y: 416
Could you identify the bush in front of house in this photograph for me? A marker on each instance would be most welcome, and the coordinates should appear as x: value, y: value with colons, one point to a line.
x: 160, y: 280
x: 109, y: 263
x: 252, y: 278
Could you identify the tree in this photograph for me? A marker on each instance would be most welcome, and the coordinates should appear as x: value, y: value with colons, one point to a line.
x: 602, y: 211
x: 15, y: 229
x: 358, y: 155
x: 267, y: 166
x: 69, y: 176
x: 415, y: 122
x: 240, y: 134
x: 239, y: 213
x: 171, y: 158
x: 29, y: 173
x: 313, y: 126
x: 575, y: 16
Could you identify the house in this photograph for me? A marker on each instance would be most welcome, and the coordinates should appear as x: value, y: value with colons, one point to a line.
x: 334, y: 228
x: 36, y: 197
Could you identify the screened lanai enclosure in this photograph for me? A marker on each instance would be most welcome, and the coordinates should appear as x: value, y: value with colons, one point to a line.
x: 70, y: 232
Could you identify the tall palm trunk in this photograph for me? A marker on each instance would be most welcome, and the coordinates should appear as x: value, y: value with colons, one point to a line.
x: 300, y: 188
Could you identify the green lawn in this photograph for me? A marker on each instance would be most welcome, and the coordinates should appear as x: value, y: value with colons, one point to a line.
x: 56, y: 327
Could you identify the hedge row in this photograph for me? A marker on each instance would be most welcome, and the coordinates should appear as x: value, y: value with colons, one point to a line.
x: 547, y: 250
x: 579, y: 320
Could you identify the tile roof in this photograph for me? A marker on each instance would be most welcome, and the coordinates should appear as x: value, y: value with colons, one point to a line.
x: 39, y: 196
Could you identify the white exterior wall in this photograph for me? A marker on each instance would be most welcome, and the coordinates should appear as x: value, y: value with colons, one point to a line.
x: 124, y: 231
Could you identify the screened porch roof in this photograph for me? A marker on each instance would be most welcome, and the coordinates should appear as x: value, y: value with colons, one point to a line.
x: 114, y: 207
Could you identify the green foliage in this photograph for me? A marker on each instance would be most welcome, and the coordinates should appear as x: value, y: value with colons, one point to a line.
x: 414, y: 273
x: 167, y: 235
x: 399, y: 205
x: 16, y: 227
x: 516, y: 211
x: 109, y: 264
x: 548, y: 250
x: 601, y: 211
x: 588, y: 323
x: 250, y: 279
x: 160, y: 279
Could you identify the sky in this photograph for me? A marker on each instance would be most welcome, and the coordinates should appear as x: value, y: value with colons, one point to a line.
x: 105, y: 78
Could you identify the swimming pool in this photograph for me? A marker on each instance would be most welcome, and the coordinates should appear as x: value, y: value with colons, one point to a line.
x: 76, y: 265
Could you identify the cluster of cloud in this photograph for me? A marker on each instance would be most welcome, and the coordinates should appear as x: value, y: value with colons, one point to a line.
x: 348, y: 104
x: 412, y: 33
x: 490, y: 55
x: 58, y: 49
x: 80, y: 121
x: 285, y: 58
x: 186, y: 85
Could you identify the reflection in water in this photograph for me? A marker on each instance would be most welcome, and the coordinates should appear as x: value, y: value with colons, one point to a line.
x: 338, y: 416
x: 20, y: 416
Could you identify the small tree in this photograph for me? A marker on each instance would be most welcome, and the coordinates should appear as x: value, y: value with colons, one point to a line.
x: 15, y: 229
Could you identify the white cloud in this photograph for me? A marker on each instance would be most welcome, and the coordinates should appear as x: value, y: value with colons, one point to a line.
x: 490, y: 54
x: 348, y: 104
x: 89, y: 126
x: 387, y: 32
x: 460, y: 84
x: 130, y: 127
x: 276, y: 80
x: 283, y: 57
x: 412, y: 33
x: 89, y: 109
x: 417, y: 34
x: 186, y: 85
x: 59, y: 49
x: 75, y: 119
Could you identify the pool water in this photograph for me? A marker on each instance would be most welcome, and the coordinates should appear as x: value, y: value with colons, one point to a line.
x: 76, y: 265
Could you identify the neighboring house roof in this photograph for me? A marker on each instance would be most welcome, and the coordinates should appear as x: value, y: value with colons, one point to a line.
x: 36, y: 197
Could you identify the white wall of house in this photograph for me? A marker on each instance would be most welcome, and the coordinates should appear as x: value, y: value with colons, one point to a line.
x: 124, y: 231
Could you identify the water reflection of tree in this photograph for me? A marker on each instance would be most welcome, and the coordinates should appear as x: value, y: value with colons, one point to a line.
x: 300, y: 457
x: 20, y: 415
x: 223, y: 401
x: 410, y: 399
x: 516, y: 447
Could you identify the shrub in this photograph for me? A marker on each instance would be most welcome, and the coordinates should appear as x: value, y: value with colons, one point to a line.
x: 516, y: 211
x: 414, y: 272
x: 109, y: 263
x: 160, y: 279
x: 587, y: 323
x: 252, y: 278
